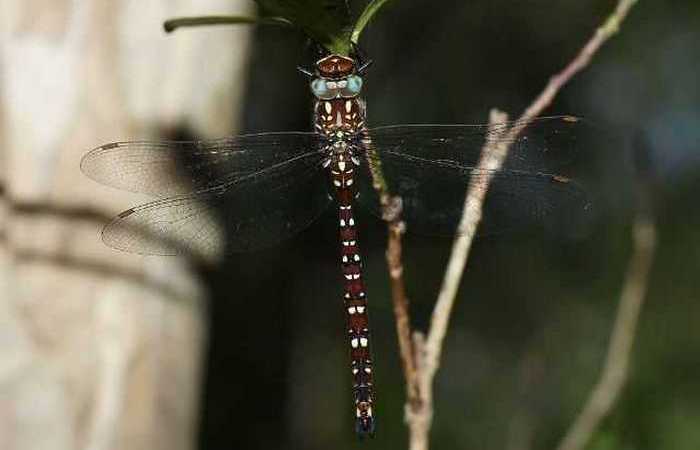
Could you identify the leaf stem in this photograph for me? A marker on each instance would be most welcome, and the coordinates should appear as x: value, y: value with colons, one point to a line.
x: 370, y: 11
x: 171, y: 25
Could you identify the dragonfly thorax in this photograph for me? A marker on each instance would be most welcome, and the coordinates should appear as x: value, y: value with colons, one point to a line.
x: 338, y: 118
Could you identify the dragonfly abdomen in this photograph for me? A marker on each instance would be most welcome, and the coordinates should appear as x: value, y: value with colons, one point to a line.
x: 357, y: 321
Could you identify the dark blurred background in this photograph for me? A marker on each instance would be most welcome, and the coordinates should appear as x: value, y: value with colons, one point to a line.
x: 534, y: 314
x: 530, y: 327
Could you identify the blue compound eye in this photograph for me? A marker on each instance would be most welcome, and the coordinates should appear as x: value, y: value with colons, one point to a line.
x: 353, y: 87
x: 321, y: 90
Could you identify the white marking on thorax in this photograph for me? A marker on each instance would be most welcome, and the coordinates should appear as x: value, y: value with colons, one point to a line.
x: 339, y: 119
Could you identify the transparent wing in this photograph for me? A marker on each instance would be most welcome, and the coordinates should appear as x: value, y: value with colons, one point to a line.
x: 168, y: 168
x: 251, y: 212
x: 431, y: 166
x: 546, y: 145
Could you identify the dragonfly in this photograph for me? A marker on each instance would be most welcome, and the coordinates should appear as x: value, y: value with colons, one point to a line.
x: 259, y: 189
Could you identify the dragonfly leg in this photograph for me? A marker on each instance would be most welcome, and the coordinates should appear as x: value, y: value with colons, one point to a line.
x: 362, y: 61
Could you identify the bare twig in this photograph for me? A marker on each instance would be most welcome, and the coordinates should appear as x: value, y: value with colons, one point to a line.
x: 403, y: 319
x: 424, y: 353
x: 492, y: 156
x: 614, y: 373
x: 391, y: 213
x: 602, y: 34
x: 420, y: 413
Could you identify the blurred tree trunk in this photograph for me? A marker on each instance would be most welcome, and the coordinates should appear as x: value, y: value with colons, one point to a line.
x: 100, y: 349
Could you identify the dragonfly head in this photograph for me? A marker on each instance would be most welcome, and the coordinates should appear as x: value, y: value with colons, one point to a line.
x: 336, y: 77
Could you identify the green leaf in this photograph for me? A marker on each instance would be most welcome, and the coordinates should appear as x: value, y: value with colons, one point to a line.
x: 325, y: 21
x: 172, y: 24
x: 367, y: 15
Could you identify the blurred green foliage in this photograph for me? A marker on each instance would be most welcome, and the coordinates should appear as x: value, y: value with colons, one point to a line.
x: 328, y: 22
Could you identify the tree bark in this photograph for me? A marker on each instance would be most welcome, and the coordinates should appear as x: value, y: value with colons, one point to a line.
x: 100, y: 349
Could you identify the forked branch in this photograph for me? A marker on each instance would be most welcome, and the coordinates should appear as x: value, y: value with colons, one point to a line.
x: 421, y: 357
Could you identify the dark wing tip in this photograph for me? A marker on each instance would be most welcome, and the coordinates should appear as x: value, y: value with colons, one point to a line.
x: 572, y: 119
x: 126, y: 213
x: 89, y: 157
x: 561, y: 179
